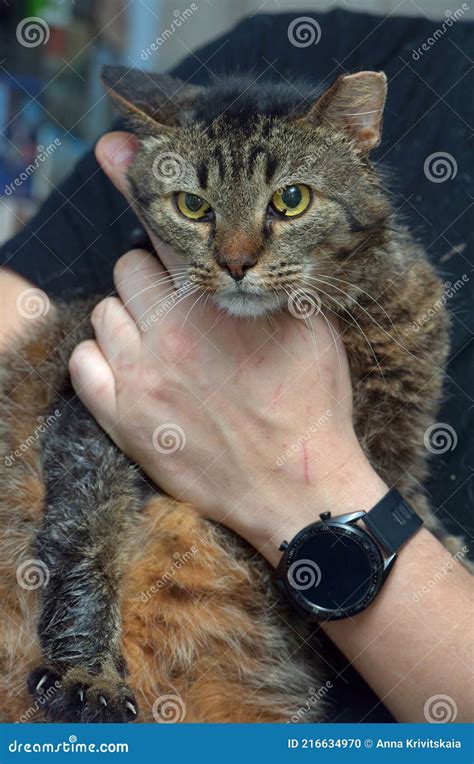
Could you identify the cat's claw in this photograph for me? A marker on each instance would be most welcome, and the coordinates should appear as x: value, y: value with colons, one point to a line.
x: 80, y: 696
x: 43, y: 681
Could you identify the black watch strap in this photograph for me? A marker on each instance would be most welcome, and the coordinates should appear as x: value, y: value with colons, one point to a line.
x: 392, y: 521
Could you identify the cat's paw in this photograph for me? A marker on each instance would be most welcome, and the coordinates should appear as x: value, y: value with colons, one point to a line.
x: 80, y: 696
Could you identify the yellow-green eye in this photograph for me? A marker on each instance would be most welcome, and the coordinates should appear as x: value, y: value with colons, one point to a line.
x: 192, y: 206
x: 291, y: 200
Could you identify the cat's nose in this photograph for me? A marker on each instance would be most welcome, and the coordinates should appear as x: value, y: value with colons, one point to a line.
x: 237, y: 265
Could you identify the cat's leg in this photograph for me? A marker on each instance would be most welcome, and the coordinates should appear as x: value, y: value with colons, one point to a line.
x: 93, y: 502
x: 82, y: 677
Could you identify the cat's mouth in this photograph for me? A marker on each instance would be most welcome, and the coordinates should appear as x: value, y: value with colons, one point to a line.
x: 248, y: 301
x: 245, y: 298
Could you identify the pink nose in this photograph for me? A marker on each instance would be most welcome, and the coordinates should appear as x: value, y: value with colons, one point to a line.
x: 237, y: 265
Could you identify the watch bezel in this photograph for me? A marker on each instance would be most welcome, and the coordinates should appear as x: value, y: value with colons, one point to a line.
x: 378, y: 566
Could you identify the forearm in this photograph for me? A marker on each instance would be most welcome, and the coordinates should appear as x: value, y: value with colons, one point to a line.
x: 410, y: 644
x: 411, y: 647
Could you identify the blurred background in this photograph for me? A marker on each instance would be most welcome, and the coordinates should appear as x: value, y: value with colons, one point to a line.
x: 51, y: 53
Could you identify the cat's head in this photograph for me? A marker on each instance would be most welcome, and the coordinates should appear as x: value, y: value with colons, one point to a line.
x: 260, y: 188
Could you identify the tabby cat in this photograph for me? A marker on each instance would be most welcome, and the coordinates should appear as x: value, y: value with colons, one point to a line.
x: 266, y: 190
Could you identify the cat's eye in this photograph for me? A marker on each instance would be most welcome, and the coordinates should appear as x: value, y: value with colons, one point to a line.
x: 291, y: 200
x: 192, y: 206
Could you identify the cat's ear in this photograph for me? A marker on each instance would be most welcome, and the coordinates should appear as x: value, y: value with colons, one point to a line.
x: 355, y: 104
x: 153, y: 100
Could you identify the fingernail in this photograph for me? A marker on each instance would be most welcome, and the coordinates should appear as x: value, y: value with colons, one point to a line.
x: 119, y: 152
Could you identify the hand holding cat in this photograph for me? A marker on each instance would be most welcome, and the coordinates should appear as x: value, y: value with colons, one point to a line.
x: 249, y: 420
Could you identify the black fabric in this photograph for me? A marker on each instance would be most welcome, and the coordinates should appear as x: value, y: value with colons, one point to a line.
x: 71, y: 245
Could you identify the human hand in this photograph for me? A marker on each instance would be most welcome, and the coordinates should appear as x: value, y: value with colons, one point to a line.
x: 249, y: 420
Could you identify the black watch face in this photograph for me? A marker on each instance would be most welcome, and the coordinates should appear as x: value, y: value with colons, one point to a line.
x: 334, y: 571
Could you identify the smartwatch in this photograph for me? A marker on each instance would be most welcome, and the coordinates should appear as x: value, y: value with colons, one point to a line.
x: 335, y: 568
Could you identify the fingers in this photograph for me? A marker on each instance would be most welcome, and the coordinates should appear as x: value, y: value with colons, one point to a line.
x: 115, y: 152
x: 143, y: 284
x: 116, y: 334
x: 93, y: 381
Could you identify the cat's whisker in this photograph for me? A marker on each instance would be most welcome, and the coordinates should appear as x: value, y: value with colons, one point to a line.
x: 142, y: 273
x: 160, y: 283
x: 204, y: 304
x: 189, y: 311
x: 350, y: 320
x: 370, y: 296
x: 333, y: 335
x: 311, y: 330
x: 171, y: 297
x: 370, y: 316
x: 336, y: 342
x: 319, y: 281
x: 180, y: 299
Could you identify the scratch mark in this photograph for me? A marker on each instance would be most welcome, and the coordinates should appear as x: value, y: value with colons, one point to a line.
x: 276, y: 394
x: 305, y: 464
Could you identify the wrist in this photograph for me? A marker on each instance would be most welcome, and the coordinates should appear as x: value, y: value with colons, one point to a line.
x: 282, y: 511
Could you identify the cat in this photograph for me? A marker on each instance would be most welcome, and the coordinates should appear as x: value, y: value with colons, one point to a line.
x: 145, y: 610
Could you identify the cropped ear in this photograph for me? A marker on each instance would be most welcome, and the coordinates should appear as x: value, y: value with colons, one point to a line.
x: 150, y: 99
x: 355, y: 104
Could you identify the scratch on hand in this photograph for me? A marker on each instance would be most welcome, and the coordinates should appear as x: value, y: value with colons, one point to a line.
x: 276, y: 394
x: 305, y: 464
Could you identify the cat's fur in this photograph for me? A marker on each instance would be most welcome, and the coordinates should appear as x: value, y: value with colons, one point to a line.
x: 212, y: 633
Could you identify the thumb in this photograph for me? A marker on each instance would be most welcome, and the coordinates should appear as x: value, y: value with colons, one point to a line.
x: 115, y: 152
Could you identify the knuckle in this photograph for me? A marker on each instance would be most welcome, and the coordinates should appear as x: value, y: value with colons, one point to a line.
x: 104, y: 309
x: 127, y: 264
x: 78, y: 355
x: 121, y: 268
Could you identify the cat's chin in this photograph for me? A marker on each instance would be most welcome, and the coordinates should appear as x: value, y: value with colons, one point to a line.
x: 247, y: 305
